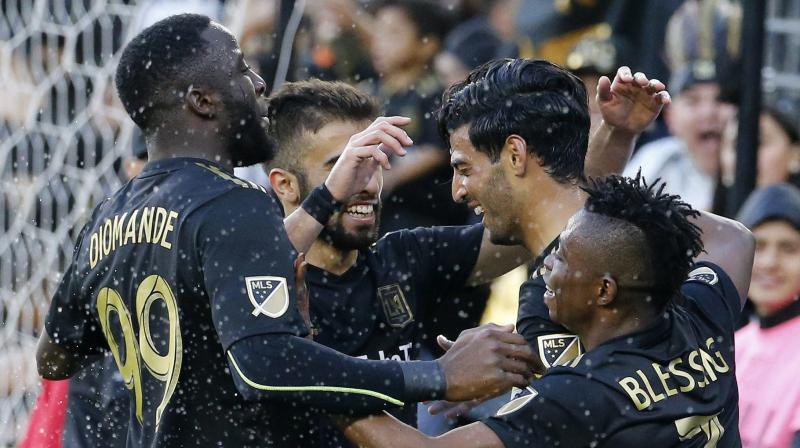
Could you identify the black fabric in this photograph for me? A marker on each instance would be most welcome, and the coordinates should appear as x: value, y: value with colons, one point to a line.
x: 320, y: 204
x: 215, y: 247
x: 626, y: 390
x: 376, y: 308
x: 97, y: 407
x: 789, y: 312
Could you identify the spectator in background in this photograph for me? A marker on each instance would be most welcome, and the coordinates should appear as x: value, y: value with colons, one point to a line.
x: 778, y: 151
x: 407, y: 35
x: 688, y: 161
x: 765, y: 349
x: 466, y: 47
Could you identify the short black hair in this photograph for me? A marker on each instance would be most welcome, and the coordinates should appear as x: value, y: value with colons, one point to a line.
x: 159, y: 64
x: 541, y: 102
x: 429, y: 17
x: 673, y: 241
x: 307, y: 106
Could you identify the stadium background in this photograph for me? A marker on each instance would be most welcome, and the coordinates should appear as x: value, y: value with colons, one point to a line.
x: 65, y: 140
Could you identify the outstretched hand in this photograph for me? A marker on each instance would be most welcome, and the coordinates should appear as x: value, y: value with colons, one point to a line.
x: 630, y: 102
x: 485, y: 362
x: 366, y: 152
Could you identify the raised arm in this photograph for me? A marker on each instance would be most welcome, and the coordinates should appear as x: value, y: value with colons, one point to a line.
x: 628, y: 105
x: 365, y: 153
x: 729, y: 245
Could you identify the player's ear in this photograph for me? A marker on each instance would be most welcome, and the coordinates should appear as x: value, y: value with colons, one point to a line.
x: 286, y: 186
x: 515, y: 154
x: 202, y: 102
x: 608, y: 290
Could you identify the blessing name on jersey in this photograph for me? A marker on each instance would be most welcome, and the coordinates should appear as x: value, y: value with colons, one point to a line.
x: 152, y: 225
x: 699, y: 362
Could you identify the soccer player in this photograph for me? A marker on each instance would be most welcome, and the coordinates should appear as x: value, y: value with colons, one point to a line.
x: 186, y: 273
x: 367, y: 301
x: 654, y: 290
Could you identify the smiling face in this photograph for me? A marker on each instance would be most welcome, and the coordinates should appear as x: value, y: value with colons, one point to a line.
x: 356, y: 226
x: 483, y: 186
x: 571, y: 279
x: 776, y: 267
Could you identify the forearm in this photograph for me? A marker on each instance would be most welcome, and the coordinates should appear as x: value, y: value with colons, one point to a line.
x: 609, y: 150
x: 381, y: 430
x: 302, y: 229
x: 292, y: 369
x: 385, y: 431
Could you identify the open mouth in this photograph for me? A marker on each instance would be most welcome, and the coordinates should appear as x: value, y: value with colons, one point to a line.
x: 478, y: 210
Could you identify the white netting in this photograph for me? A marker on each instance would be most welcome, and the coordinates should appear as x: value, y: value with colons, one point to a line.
x: 63, y: 138
x: 62, y: 135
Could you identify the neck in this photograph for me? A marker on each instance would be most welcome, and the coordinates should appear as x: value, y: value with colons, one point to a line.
x: 402, y: 78
x: 612, y: 324
x: 325, y: 256
x: 200, y: 142
x: 543, y: 220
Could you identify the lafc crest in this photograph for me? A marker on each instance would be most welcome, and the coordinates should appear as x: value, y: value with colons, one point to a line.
x: 519, y: 398
x: 559, y: 349
x: 269, y: 295
x: 397, y: 311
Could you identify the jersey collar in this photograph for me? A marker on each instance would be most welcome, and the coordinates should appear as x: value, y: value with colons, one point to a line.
x: 787, y: 313
x: 174, y: 164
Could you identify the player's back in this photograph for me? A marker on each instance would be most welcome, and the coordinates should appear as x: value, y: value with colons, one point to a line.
x: 147, y: 260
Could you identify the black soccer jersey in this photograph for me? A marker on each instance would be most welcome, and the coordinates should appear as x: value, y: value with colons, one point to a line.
x: 374, y: 310
x: 173, y: 269
x: 671, y: 385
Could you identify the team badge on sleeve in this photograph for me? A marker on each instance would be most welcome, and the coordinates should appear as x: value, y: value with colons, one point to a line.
x: 559, y: 349
x: 269, y: 295
x: 397, y: 311
x: 704, y: 274
x: 519, y: 398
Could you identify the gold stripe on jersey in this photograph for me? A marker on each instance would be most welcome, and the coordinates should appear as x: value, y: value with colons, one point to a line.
x: 240, y: 182
x: 346, y: 390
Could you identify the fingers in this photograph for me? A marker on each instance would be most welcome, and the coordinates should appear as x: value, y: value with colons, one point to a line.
x: 604, y: 89
x: 444, y: 343
x: 624, y: 74
x: 379, y: 136
x: 510, y: 365
x: 663, y: 98
x: 516, y: 380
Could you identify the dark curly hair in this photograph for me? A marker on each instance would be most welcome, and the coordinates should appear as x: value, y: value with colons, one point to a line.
x: 159, y: 64
x: 672, y: 240
x: 541, y: 102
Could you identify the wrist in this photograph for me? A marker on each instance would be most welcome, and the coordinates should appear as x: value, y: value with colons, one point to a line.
x: 321, y: 204
x: 619, y: 131
x: 424, y: 380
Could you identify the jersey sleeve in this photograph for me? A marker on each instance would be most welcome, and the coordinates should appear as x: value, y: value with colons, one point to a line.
x: 553, y: 411
x: 709, y: 290
x: 440, y: 258
x: 247, y: 264
x: 71, y: 321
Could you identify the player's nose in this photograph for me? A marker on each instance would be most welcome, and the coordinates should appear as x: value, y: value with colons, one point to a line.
x: 459, y: 191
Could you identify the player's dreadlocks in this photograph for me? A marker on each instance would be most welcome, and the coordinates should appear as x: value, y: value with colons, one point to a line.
x: 673, y: 241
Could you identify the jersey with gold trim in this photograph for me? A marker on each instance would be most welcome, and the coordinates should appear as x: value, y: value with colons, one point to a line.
x: 375, y: 309
x: 174, y: 268
x: 671, y: 385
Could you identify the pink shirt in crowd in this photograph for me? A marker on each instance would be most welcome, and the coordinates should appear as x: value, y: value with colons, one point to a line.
x: 768, y: 373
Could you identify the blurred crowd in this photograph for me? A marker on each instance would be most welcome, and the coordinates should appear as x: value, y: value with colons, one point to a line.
x: 406, y: 52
